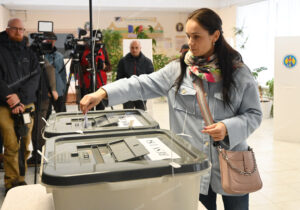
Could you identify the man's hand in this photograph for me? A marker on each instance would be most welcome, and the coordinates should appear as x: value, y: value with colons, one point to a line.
x: 18, y: 109
x: 12, y: 100
x: 217, y: 131
x: 91, y: 100
x: 54, y: 94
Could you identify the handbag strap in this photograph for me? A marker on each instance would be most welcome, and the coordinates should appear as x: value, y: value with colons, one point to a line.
x: 202, y: 102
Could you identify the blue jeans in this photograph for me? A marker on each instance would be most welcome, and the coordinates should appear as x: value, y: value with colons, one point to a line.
x: 230, y: 202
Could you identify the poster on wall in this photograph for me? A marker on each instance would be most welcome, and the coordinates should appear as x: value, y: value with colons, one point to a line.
x: 127, y: 25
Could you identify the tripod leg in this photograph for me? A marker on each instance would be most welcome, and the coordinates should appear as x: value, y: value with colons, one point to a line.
x: 22, y: 157
x: 67, y: 87
x: 78, y: 81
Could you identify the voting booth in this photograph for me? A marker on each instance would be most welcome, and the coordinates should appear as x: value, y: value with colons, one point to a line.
x: 287, y: 89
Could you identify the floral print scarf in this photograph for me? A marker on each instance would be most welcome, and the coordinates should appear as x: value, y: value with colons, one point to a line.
x: 204, y: 68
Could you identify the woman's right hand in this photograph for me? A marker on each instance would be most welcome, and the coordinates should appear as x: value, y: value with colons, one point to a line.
x: 91, y: 100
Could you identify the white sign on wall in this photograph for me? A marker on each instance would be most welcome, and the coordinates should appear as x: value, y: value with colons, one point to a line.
x: 146, y: 45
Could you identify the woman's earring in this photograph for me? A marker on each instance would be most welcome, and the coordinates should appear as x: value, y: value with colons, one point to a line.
x: 214, y: 43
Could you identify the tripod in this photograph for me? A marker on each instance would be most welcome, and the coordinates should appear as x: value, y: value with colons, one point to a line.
x: 94, y: 59
x: 75, y: 70
x: 41, y: 110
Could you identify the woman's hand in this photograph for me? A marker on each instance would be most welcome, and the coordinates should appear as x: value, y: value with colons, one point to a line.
x: 91, y: 100
x: 217, y: 131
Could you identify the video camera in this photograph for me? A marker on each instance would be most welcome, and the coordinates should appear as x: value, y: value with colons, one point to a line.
x: 72, y: 43
x: 78, y: 45
x: 38, y: 45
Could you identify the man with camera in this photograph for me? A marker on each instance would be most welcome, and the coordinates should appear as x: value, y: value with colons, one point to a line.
x: 102, y: 65
x: 134, y: 63
x: 19, y: 79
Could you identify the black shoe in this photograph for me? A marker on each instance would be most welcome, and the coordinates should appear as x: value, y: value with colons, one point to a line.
x: 1, y: 163
x: 15, y: 185
x: 6, y: 190
x: 22, y: 183
x: 31, y: 162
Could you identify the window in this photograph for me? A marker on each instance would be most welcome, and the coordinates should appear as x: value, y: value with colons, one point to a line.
x: 261, y: 23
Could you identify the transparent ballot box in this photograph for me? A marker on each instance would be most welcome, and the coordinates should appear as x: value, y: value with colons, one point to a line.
x: 98, y: 121
x: 139, y: 169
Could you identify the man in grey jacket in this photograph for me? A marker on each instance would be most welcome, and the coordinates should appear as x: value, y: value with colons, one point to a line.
x: 134, y: 63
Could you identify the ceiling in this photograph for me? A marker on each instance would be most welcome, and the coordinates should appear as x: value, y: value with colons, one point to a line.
x: 120, y: 5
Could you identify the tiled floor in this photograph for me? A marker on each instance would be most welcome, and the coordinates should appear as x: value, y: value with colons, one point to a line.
x: 278, y: 164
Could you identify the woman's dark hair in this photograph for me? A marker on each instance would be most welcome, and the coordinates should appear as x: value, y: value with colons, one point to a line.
x: 226, y: 55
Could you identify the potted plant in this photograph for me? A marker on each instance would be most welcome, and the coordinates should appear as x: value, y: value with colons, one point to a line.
x: 270, y: 93
x: 266, y: 103
x: 159, y: 60
x: 255, y: 73
x: 265, y: 100
x: 112, y: 40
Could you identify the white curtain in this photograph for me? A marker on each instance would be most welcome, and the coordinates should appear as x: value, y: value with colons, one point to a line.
x: 261, y: 23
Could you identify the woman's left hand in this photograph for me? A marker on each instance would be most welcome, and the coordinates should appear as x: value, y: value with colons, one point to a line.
x: 217, y: 131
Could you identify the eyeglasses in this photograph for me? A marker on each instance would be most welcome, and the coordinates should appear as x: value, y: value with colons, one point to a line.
x: 17, y: 29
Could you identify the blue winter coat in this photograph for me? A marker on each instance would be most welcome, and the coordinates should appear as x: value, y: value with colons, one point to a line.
x: 57, y: 60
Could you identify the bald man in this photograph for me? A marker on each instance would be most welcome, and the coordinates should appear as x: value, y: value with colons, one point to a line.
x: 134, y: 63
x: 17, y: 97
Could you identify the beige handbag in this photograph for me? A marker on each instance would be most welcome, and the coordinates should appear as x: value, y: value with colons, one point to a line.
x: 239, y: 173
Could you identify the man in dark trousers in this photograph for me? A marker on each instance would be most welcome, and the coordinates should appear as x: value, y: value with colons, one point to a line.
x: 19, y: 80
x: 134, y: 63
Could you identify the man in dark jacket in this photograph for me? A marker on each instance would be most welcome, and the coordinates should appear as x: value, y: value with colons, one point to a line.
x: 134, y: 63
x: 19, y: 79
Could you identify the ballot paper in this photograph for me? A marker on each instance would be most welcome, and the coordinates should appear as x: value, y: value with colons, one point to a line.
x: 157, y: 149
x: 129, y: 121
x: 85, y: 121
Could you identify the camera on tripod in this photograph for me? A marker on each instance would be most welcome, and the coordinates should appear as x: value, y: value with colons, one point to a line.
x: 45, y: 32
x: 80, y: 44
x: 76, y: 44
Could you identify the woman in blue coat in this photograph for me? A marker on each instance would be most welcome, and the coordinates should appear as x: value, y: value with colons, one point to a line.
x: 230, y: 90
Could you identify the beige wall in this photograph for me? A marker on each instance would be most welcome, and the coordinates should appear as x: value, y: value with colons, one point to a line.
x: 69, y: 21
x: 228, y: 16
x: 4, y: 17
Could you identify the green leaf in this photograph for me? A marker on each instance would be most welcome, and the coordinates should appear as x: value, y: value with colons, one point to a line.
x: 112, y: 40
